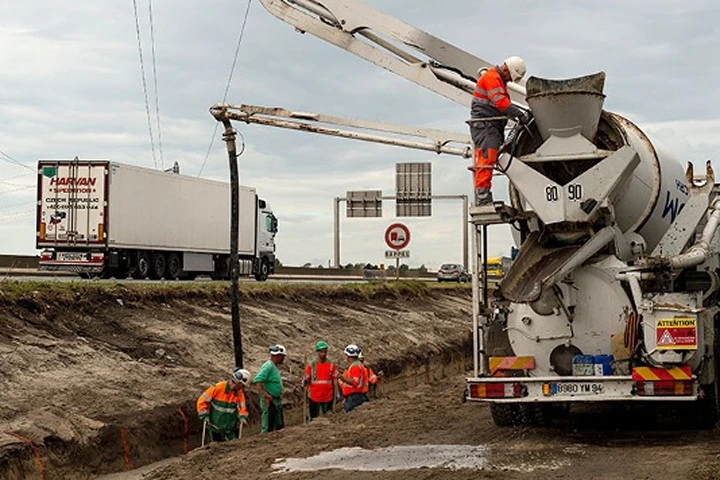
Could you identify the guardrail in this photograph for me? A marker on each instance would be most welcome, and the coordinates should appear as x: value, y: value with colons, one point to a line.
x: 31, y: 262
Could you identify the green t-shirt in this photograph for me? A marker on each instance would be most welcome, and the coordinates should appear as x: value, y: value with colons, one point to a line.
x: 270, y: 377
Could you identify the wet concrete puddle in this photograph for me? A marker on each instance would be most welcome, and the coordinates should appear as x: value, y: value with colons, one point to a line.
x: 404, y: 457
x: 408, y: 457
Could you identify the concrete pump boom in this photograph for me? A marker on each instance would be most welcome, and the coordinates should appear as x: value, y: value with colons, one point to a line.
x: 391, y: 44
x: 437, y: 141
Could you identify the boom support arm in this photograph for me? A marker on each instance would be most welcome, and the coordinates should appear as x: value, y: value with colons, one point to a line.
x: 389, y: 43
x: 431, y: 140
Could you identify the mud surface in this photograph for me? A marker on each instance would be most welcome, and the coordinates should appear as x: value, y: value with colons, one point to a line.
x: 105, y: 377
x: 598, y: 443
x: 81, y: 369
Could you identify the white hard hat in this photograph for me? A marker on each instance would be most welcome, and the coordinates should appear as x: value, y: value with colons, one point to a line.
x: 241, y: 375
x: 516, y: 67
x: 277, y: 350
x: 352, y: 350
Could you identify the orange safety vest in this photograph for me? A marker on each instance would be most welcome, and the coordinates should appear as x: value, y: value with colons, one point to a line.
x: 222, y: 406
x: 491, y: 94
x: 322, y: 375
x: 370, y: 375
x: 356, y: 374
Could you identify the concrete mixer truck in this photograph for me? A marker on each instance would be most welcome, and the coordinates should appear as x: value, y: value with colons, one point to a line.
x: 614, y: 294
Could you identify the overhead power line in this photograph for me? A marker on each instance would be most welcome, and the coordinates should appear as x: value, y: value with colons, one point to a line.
x: 144, y: 83
x: 155, y: 78
x: 4, y: 156
x: 227, y: 87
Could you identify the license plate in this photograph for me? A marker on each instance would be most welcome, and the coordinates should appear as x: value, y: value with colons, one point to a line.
x: 71, y: 257
x: 576, y: 388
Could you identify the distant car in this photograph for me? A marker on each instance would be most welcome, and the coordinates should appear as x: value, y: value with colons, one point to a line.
x: 452, y: 272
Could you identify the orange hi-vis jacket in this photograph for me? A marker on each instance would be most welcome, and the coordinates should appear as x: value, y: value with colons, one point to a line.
x: 222, y: 406
x: 356, y: 374
x: 370, y: 375
x: 322, y: 375
x: 490, y: 96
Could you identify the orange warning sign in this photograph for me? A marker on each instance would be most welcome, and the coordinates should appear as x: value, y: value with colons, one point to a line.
x: 679, y: 333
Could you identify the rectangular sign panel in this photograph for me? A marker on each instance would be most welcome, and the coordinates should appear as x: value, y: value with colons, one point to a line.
x: 413, y: 186
x: 679, y: 333
x: 397, y: 253
x: 364, y: 203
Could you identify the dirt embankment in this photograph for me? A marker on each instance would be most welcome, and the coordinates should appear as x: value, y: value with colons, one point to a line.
x: 102, y: 377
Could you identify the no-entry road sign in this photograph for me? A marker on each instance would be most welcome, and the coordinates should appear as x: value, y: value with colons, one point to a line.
x: 397, y: 236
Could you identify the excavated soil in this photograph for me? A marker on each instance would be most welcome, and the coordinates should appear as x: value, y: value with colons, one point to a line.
x: 102, y: 378
x: 99, y: 379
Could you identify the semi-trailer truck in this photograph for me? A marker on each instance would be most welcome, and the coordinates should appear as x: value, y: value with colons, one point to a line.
x: 108, y: 219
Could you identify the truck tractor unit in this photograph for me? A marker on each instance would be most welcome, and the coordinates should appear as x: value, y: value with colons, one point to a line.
x: 107, y: 219
x: 613, y: 295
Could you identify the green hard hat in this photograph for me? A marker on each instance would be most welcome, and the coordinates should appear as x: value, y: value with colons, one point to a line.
x: 321, y: 345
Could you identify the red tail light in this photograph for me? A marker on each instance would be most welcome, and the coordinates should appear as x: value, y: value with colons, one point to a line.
x: 663, y: 388
x: 496, y: 390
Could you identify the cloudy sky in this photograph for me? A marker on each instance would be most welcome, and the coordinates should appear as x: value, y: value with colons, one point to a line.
x: 71, y: 85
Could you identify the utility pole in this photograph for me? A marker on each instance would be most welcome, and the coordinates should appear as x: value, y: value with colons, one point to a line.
x: 229, y: 135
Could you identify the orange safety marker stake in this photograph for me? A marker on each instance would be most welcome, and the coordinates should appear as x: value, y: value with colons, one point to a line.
x: 41, y: 472
x: 126, y: 450
x: 185, y: 433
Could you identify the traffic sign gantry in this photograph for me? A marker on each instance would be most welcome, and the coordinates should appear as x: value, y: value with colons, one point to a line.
x: 397, y: 236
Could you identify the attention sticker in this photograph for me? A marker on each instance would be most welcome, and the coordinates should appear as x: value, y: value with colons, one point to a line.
x: 679, y: 333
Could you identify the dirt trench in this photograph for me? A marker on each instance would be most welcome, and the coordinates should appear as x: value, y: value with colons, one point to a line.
x: 101, y: 379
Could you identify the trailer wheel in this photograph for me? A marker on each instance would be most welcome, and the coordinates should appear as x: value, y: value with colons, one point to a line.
x: 174, y: 268
x: 263, y: 271
x: 505, y: 414
x: 142, y: 266
x: 157, y: 266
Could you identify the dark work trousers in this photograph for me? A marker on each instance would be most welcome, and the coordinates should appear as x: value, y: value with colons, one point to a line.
x: 276, y: 417
x: 223, y: 436
x: 486, y: 135
x: 316, y: 407
x: 354, y: 400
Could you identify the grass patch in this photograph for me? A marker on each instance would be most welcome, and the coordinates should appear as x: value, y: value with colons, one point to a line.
x: 40, y: 296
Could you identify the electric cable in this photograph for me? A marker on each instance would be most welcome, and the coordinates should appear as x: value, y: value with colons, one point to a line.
x: 10, y: 159
x: 144, y: 83
x: 155, y: 80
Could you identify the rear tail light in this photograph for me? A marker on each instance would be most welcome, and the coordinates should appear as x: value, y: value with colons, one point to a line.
x: 497, y: 390
x: 46, y: 256
x: 663, y: 388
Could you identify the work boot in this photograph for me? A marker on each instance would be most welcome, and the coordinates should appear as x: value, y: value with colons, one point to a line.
x: 483, y: 196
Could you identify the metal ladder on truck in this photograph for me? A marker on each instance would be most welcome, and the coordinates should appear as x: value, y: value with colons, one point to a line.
x: 480, y: 218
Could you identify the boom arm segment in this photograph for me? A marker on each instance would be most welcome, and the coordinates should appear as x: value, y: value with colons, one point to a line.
x: 389, y: 43
x: 433, y: 140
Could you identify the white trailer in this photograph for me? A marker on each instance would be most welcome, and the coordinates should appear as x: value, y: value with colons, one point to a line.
x: 98, y: 217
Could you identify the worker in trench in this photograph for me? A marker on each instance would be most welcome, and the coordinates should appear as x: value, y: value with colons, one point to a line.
x: 269, y: 384
x: 489, y: 111
x: 320, y: 377
x: 353, y: 381
x: 222, y: 407
x: 372, y: 378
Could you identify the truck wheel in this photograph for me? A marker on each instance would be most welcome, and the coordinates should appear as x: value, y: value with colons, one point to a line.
x: 536, y: 414
x: 174, y: 268
x: 142, y: 266
x: 263, y: 271
x: 707, y: 411
x: 505, y: 414
x: 157, y: 266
